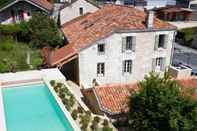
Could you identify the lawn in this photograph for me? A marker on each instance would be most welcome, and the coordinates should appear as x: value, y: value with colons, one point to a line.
x: 13, y: 56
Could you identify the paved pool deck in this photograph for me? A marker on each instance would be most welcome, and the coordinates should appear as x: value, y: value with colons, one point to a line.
x: 22, y: 78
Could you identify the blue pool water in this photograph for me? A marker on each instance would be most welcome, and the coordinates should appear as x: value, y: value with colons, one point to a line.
x: 33, y: 108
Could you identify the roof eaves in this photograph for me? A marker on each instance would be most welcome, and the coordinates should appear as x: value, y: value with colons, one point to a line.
x: 15, y: 1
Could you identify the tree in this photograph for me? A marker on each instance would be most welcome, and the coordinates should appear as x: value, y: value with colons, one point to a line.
x: 42, y: 31
x: 160, y: 105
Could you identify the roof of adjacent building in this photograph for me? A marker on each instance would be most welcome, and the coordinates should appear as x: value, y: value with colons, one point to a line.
x: 172, y: 9
x: 67, y: 4
x: 43, y: 4
x: 113, y: 98
x: 89, y: 28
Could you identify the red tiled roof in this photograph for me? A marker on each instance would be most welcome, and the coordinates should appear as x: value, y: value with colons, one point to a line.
x: 43, y: 3
x: 113, y: 98
x: 40, y: 3
x: 89, y: 28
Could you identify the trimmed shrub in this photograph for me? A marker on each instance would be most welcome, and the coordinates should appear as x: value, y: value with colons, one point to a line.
x: 80, y: 109
x: 59, y: 84
x: 96, y: 119
x: 52, y: 82
x: 74, y: 114
x: 105, y: 122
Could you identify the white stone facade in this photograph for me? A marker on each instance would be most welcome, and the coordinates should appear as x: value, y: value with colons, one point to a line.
x: 73, y: 10
x: 142, y: 58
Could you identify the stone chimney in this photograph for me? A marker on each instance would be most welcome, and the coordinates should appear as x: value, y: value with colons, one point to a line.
x: 150, y: 19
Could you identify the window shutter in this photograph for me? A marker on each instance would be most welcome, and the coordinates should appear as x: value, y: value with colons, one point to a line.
x: 153, y: 64
x: 133, y: 43
x: 123, y: 44
x: 156, y: 42
x: 166, y: 41
x: 123, y: 64
x: 163, y: 66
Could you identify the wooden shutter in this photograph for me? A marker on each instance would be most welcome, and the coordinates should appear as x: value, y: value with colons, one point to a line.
x: 153, y: 64
x: 133, y: 43
x: 163, y: 66
x: 123, y: 44
x: 156, y: 42
x: 166, y: 41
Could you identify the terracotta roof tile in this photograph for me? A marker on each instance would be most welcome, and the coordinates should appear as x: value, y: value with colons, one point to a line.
x: 83, y: 31
x: 43, y: 3
x: 114, y: 97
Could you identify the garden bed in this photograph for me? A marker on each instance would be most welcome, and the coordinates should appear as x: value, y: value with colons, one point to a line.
x: 85, y: 119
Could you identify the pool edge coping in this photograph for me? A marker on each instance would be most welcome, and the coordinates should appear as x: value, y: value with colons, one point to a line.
x: 2, y: 111
x: 62, y: 107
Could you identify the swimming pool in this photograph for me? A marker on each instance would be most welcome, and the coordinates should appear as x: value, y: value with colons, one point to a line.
x: 33, y: 108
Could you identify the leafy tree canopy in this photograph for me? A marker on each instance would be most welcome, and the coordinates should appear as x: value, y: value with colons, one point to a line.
x: 161, y: 106
x: 42, y: 31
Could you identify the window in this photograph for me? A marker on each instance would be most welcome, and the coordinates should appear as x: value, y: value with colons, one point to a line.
x: 100, y: 69
x: 101, y: 48
x: 127, y: 66
x: 81, y: 10
x: 159, y: 61
x: 161, y: 41
x: 28, y: 13
x: 129, y: 43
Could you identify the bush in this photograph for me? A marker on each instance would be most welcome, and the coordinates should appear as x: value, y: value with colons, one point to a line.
x: 185, y: 36
x: 107, y: 128
x: 80, y: 109
x: 105, y: 122
x: 74, y: 114
x: 7, y: 45
x: 52, y: 82
x: 84, y: 121
x: 96, y: 119
x: 59, y: 84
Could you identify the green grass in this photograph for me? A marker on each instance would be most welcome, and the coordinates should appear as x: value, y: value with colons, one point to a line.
x: 13, y: 56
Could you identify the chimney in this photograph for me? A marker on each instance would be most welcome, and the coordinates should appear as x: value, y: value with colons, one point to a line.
x: 149, y: 19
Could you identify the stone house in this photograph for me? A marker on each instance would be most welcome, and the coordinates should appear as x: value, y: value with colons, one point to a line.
x: 116, y: 44
x: 21, y: 10
x: 74, y: 8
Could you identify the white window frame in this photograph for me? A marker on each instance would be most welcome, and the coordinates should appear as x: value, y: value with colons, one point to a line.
x: 101, y: 69
x: 127, y: 66
x: 158, y: 63
x: 129, y: 43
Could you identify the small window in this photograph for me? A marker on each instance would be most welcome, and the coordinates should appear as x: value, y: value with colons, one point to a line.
x: 161, y: 41
x: 81, y: 11
x: 28, y: 13
x: 127, y: 66
x: 100, y: 69
x: 159, y: 62
x: 101, y: 48
x: 129, y: 43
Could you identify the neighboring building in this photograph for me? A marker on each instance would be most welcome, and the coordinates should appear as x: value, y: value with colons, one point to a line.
x: 175, y: 13
x: 76, y: 8
x: 159, y: 3
x: 21, y: 10
x: 116, y: 44
x: 112, y: 100
x: 193, y: 4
